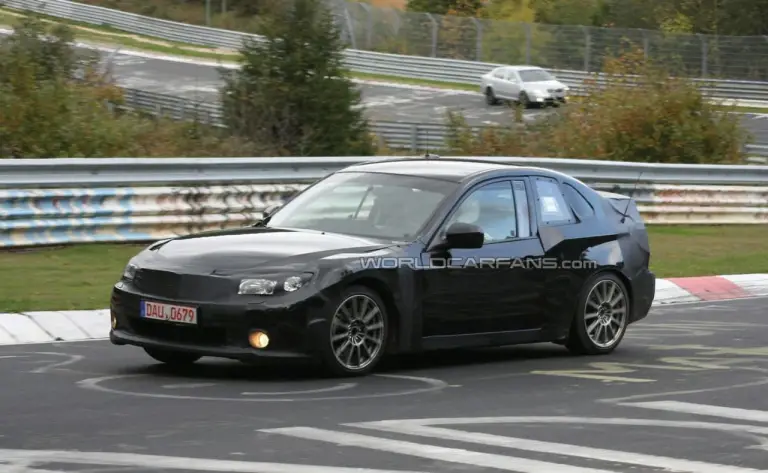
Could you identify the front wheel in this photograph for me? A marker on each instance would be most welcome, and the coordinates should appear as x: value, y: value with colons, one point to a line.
x: 358, y: 333
x: 171, y: 357
x: 601, y: 317
x: 490, y: 97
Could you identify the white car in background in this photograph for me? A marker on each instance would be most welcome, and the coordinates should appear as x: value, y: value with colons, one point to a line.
x: 526, y: 85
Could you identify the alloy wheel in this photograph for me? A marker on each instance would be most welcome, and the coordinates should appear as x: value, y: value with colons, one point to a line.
x: 605, y: 315
x: 357, y: 332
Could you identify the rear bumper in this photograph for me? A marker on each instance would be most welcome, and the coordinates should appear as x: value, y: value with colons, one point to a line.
x: 644, y: 291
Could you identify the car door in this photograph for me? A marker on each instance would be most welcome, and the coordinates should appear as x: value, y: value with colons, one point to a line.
x: 489, y: 289
x: 498, y: 82
x: 512, y: 84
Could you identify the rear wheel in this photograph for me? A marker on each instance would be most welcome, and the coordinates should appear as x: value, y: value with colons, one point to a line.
x: 601, y: 317
x: 171, y: 357
x: 357, y: 334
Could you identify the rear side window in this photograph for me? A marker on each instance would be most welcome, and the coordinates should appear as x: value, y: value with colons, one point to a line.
x: 552, y: 206
x: 579, y: 203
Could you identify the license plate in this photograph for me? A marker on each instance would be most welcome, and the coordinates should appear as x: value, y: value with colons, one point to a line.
x: 169, y: 312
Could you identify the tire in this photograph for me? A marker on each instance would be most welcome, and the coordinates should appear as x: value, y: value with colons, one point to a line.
x: 490, y: 97
x: 173, y: 358
x: 523, y: 100
x: 611, y: 321
x: 357, y: 354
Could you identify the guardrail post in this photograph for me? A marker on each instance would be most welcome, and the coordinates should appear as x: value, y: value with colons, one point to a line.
x: 528, y: 35
x: 207, y: 12
x: 434, y: 33
x: 350, y: 27
x: 587, y: 48
x: 646, y: 44
x: 479, y: 30
x: 368, y: 24
x: 704, y: 54
x: 414, y: 138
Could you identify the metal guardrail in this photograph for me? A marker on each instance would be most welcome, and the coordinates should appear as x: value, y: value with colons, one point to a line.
x: 419, y: 67
x: 414, y: 137
x: 121, y: 200
x: 127, y: 172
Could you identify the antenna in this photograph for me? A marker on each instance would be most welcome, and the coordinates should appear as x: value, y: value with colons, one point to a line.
x: 629, y: 200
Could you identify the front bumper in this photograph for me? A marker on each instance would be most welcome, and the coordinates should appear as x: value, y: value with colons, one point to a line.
x: 549, y: 99
x: 223, y: 327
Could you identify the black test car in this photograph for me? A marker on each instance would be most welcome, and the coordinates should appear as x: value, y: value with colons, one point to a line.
x: 397, y: 256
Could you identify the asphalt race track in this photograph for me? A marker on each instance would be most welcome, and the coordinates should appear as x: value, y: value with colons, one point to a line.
x: 687, y: 386
x: 383, y: 102
x: 201, y: 83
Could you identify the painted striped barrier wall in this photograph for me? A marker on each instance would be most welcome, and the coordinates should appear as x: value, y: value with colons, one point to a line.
x: 31, y: 217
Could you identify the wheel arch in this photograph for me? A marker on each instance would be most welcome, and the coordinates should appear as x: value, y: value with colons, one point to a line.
x: 393, y: 313
x: 622, y: 277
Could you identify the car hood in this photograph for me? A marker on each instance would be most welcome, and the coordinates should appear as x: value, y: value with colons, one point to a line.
x: 545, y: 85
x: 231, y: 252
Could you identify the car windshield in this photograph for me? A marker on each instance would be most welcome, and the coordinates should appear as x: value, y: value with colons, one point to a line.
x: 384, y: 206
x: 535, y: 75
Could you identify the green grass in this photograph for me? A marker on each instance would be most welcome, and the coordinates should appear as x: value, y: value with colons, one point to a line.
x: 74, y: 277
x: 108, y: 35
x: 679, y: 251
x: 81, y: 276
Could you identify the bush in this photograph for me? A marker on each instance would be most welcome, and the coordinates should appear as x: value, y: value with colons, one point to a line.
x: 643, y: 115
x: 54, y: 103
x: 292, y: 92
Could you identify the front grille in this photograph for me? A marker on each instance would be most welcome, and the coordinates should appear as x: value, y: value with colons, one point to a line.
x: 207, y: 336
x: 158, y: 283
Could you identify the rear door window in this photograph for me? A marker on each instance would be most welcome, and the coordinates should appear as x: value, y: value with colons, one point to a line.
x: 553, y: 208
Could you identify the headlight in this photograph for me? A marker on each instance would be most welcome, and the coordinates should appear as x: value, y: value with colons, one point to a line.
x: 268, y: 286
x: 130, y: 271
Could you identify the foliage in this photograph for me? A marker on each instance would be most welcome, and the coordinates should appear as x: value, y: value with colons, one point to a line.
x: 54, y: 103
x: 642, y: 115
x: 443, y: 7
x: 292, y: 92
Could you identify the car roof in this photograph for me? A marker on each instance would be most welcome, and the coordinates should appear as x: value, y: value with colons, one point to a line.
x: 519, y: 68
x: 451, y: 169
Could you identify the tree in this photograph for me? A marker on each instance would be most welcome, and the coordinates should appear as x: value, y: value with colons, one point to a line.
x: 642, y: 114
x: 292, y: 91
x: 442, y: 7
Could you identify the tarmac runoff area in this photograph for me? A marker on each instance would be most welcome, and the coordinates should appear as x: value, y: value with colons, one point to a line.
x: 684, y: 392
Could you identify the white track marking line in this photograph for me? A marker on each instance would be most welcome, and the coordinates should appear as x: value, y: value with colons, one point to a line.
x: 157, y: 462
x: 702, y: 409
x: 675, y: 464
x: 432, y: 452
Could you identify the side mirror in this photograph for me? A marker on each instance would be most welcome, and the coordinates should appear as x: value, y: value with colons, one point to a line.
x: 464, y: 235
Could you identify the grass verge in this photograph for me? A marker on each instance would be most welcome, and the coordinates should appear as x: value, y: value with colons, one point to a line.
x: 81, y: 276
x: 107, y: 36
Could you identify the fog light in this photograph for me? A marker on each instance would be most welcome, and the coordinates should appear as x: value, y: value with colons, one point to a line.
x: 114, y: 321
x: 258, y: 339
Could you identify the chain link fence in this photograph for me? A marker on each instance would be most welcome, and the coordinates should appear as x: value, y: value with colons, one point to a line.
x: 567, y: 47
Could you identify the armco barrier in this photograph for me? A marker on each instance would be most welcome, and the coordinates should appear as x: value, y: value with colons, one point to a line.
x: 146, y: 199
x: 419, y: 67
x: 415, y: 137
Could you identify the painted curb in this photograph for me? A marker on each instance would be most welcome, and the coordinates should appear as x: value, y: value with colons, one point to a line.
x: 79, y: 325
